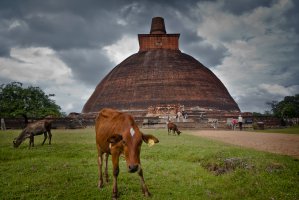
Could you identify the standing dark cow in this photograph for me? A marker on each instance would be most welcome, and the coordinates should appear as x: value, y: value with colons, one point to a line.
x: 33, y: 129
x: 116, y: 134
x: 172, y: 127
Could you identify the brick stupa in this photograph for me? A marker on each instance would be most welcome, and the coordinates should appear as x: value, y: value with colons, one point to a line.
x: 159, y: 75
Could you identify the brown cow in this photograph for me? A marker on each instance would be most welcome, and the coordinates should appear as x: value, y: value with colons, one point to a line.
x: 33, y: 129
x: 116, y: 134
x: 172, y: 127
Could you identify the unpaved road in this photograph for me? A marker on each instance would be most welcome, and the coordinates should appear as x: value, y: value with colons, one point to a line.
x: 285, y: 144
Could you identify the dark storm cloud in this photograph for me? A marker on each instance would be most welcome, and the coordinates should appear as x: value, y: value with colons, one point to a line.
x: 62, y: 30
x: 66, y: 24
x: 79, y: 33
x: 88, y: 65
x: 239, y: 7
x: 4, y: 51
x: 69, y: 24
x: 207, y: 54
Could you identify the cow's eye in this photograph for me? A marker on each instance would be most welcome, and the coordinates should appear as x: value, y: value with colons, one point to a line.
x: 124, y: 143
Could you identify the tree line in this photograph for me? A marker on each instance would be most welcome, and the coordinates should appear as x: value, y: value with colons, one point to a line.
x: 287, y: 108
x: 19, y: 101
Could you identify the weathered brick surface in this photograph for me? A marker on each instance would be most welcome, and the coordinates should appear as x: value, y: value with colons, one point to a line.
x: 158, y: 77
x: 158, y: 41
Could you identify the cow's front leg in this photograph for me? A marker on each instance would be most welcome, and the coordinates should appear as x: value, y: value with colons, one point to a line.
x: 143, y: 185
x: 50, y: 136
x: 45, y: 137
x: 31, y: 140
x: 115, y: 162
x: 100, y: 164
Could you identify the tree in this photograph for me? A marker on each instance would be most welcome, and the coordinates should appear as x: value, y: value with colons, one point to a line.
x: 17, y: 101
x: 287, y: 108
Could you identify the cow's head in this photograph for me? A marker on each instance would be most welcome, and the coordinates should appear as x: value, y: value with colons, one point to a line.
x: 18, y: 140
x: 179, y: 132
x: 129, y: 143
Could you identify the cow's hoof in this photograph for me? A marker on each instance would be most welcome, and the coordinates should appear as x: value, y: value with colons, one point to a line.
x: 114, y: 196
x: 147, y: 194
x: 100, y: 185
x: 107, y: 180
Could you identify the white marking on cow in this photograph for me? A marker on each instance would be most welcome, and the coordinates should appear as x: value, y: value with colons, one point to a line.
x: 132, y: 131
x: 110, y: 145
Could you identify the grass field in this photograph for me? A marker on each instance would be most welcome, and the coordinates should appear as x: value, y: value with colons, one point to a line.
x: 289, y: 130
x: 184, y: 167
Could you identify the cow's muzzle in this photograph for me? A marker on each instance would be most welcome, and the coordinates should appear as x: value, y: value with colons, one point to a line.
x: 15, y: 145
x: 133, y: 168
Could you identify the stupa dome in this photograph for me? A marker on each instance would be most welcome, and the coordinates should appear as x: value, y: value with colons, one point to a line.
x: 160, y: 74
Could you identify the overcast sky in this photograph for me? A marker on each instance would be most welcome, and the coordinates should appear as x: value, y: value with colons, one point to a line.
x: 66, y: 47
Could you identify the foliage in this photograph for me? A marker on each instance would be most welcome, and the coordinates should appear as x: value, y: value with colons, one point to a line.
x: 257, y: 114
x: 175, y: 168
x: 266, y: 113
x: 287, y: 108
x: 17, y: 101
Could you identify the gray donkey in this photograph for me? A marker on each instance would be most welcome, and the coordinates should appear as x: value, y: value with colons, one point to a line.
x: 33, y: 129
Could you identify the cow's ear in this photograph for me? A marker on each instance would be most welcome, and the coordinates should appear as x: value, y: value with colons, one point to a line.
x: 149, y: 139
x: 115, y: 138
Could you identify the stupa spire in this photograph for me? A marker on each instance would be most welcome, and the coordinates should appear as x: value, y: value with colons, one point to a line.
x: 158, y: 38
x: 158, y: 26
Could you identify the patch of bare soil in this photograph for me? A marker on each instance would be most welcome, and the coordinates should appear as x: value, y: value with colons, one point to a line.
x: 285, y: 144
x: 227, y: 165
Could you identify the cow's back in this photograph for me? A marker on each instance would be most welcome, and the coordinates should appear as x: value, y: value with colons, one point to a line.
x: 109, y: 122
x: 171, y: 126
x: 36, y: 128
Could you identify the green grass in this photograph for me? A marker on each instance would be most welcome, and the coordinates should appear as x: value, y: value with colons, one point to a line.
x: 175, y: 168
x: 288, y: 130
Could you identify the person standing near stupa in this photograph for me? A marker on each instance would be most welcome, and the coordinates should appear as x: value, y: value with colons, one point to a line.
x: 240, y: 121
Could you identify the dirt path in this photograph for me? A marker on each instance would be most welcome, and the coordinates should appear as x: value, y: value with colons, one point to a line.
x: 285, y: 144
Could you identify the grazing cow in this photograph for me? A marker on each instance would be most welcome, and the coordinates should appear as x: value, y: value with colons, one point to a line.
x: 33, y: 129
x: 116, y: 134
x: 172, y: 127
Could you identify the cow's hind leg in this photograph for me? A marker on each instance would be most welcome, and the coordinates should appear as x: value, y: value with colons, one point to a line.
x: 115, y: 162
x: 45, y: 137
x: 106, y: 167
x: 50, y: 136
x: 143, y: 185
x: 31, y: 140
x: 100, y: 164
